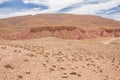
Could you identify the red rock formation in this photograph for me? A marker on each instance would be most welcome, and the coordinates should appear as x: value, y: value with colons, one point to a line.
x: 65, y: 32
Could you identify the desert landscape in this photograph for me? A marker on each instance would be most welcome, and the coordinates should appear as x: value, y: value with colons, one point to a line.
x: 59, y: 47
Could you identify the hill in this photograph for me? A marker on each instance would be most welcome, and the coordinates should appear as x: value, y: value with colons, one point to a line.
x: 5, y: 28
x: 48, y: 25
x: 84, y: 21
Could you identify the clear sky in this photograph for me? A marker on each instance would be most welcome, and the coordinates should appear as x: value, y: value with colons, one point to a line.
x: 105, y: 8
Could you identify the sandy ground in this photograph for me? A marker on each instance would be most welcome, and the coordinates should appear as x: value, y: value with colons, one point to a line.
x: 57, y: 59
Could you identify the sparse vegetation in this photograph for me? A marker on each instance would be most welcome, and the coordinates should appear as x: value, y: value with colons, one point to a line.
x: 3, y: 47
x: 51, y: 69
x: 8, y: 66
x: 73, y: 73
x: 64, y: 76
x: 20, y: 76
x: 27, y: 72
x: 26, y: 60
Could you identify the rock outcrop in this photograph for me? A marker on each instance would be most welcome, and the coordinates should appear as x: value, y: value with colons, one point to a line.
x: 65, y: 32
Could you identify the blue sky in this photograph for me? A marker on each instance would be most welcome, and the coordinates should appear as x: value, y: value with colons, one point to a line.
x: 104, y: 8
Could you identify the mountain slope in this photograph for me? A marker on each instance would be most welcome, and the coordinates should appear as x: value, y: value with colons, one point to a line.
x: 48, y: 25
x: 85, y: 21
x: 5, y: 28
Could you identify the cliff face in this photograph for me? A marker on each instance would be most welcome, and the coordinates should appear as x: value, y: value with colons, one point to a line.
x: 69, y: 32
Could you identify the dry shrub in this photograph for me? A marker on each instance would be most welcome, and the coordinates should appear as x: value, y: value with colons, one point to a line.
x: 8, y: 66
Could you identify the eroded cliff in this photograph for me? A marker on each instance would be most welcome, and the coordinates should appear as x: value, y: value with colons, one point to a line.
x: 65, y: 32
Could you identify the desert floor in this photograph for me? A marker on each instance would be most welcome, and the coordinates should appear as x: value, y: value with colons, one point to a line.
x: 58, y: 59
